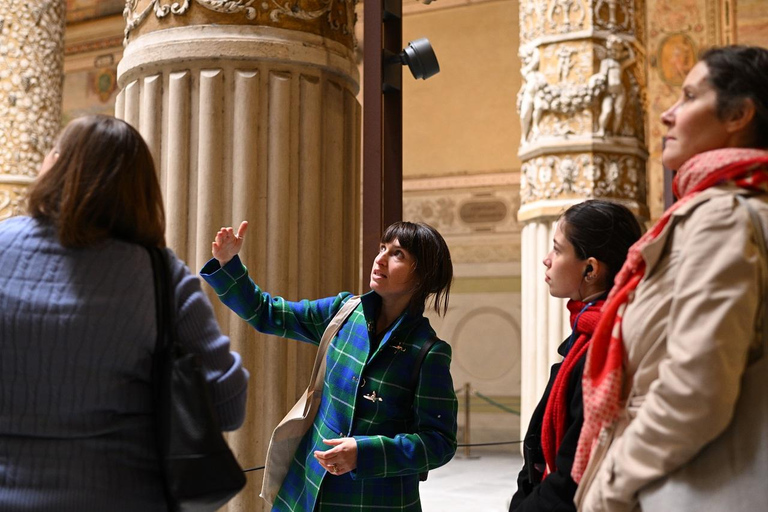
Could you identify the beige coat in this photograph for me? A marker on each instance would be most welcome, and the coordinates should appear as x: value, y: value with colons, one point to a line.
x: 688, y: 333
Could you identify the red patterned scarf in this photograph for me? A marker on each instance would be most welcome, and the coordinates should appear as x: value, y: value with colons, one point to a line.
x: 584, y: 319
x: 604, y: 370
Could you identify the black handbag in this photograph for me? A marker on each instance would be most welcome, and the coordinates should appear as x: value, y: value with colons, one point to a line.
x: 201, y: 473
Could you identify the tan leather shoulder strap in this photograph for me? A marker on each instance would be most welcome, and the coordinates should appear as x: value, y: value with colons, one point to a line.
x: 318, y: 370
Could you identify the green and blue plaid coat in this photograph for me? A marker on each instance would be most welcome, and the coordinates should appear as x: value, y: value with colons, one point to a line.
x: 400, y: 433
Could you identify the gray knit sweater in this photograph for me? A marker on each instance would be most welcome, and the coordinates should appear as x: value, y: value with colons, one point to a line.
x: 77, y: 333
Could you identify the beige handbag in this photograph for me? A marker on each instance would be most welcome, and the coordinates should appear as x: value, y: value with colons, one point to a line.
x: 290, y: 431
x: 730, y: 473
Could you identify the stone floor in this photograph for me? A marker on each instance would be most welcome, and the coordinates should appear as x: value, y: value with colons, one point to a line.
x: 482, y: 484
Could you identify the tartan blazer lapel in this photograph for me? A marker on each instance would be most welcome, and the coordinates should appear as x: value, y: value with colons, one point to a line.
x: 400, y: 330
x: 398, y: 335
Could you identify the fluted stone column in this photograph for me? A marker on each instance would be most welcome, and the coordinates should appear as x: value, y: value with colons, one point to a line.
x: 31, y: 77
x: 250, y: 112
x: 583, y: 136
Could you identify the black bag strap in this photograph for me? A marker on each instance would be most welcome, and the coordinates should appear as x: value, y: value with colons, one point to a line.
x: 419, y: 360
x: 164, y: 311
x: 165, y: 315
x: 425, y: 348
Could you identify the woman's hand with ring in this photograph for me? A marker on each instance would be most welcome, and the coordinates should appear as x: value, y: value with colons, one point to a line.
x: 340, y: 459
x: 331, y: 468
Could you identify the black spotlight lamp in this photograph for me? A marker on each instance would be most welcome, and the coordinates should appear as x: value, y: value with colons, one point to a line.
x: 420, y: 59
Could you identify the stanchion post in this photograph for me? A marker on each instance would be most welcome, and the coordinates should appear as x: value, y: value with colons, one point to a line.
x: 467, y: 437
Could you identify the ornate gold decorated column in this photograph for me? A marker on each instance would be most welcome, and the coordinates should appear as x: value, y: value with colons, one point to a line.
x: 583, y: 136
x: 250, y: 111
x: 31, y: 66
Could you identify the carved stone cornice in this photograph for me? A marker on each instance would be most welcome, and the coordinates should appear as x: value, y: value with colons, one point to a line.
x: 510, y: 177
x: 333, y: 19
x: 618, y: 145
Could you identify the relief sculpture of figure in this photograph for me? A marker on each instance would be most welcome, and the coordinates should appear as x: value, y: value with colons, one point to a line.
x: 530, y: 103
x: 609, y: 78
x: 564, y: 62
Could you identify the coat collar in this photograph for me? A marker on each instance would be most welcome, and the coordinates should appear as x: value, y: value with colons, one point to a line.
x: 400, y: 328
x: 653, y: 251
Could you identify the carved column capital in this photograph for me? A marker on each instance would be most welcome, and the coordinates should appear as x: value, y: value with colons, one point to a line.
x: 333, y: 19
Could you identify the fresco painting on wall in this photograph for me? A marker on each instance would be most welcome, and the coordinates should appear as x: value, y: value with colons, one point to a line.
x: 676, y: 32
x: 103, y: 83
x: 677, y: 16
x: 677, y: 55
x: 752, y: 22
x: 80, y: 10
x: 89, y: 92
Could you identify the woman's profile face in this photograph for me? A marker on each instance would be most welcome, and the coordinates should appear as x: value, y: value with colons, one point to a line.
x: 692, y: 123
x: 565, y: 271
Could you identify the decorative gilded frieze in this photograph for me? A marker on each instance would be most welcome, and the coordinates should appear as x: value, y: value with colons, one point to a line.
x: 462, y: 212
x: 31, y: 62
x: 334, y: 19
x: 617, y: 176
x: 483, y: 206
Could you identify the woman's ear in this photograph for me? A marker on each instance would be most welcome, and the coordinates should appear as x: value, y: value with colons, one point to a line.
x: 593, y: 270
x: 740, y: 116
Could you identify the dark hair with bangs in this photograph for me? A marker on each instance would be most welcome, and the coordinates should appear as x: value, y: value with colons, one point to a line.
x: 103, y: 185
x: 736, y: 73
x: 434, y: 270
x: 602, y: 230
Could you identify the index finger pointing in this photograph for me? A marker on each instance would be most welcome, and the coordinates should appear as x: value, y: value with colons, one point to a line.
x: 242, y: 229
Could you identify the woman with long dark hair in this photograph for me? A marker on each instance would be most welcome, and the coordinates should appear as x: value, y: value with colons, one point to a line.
x: 590, y: 244
x: 78, y: 330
